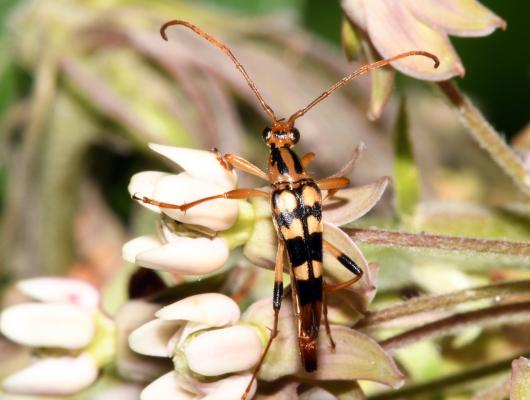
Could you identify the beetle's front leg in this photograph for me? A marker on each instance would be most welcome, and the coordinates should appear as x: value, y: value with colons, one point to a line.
x: 231, y: 161
x: 232, y: 194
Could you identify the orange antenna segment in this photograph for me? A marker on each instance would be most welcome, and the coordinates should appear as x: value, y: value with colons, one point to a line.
x: 361, y: 71
x: 229, y: 53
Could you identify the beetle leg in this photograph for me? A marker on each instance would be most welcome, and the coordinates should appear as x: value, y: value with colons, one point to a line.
x: 232, y: 194
x: 307, y: 158
x: 326, y: 321
x: 276, y: 305
x: 333, y: 184
x: 347, y: 262
x: 230, y: 161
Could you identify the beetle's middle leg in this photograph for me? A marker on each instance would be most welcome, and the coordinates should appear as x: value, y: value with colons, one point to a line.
x: 232, y: 194
x: 351, y: 266
x: 333, y: 184
x: 276, y: 305
x: 326, y: 321
x: 307, y: 158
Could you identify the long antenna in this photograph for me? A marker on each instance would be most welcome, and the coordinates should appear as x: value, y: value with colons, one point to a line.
x: 229, y: 53
x: 361, y: 71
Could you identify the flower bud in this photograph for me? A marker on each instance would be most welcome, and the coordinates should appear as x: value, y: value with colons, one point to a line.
x: 231, y: 388
x: 48, y: 325
x: 166, y: 388
x: 60, y: 290
x: 144, y: 183
x: 59, y: 376
x: 217, y: 215
x: 212, y: 309
x: 187, y: 256
x: 221, y: 351
x: 152, y: 338
x: 199, y: 164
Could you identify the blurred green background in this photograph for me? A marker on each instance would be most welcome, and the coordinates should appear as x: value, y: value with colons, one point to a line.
x: 500, y: 77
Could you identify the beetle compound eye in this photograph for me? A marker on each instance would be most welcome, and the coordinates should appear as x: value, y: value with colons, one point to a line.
x: 295, y: 135
x: 266, y: 134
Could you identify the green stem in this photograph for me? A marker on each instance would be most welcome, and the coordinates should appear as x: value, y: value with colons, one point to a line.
x: 440, y: 242
x: 487, y: 137
x: 499, y: 292
x: 448, y: 381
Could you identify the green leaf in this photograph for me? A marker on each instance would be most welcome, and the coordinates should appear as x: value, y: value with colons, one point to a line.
x: 407, y: 177
x: 356, y: 356
x: 382, y: 82
x: 350, y: 40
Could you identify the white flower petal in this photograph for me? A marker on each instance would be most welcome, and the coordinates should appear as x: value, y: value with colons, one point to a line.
x: 457, y: 17
x: 53, y: 377
x: 63, y: 290
x: 151, y: 339
x: 352, y: 203
x: 179, y: 189
x: 189, y: 328
x: 143, y: 184
x: 188, y: 256
x: 200, y: 164
x: 221, y: 351
x: 212, y: 309
x: 166, y: 388
x: 355, y: 11
x: 121, y: 391
x: 138, y: 245
x: 231, y: 388
x: 316, y: 393
x: 393, y: 30
x: 131, y: 365
x: 48, y: 325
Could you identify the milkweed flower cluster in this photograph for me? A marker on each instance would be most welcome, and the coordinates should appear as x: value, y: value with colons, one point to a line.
x: 205, y: 338
x: 199, y: 250
x: 394, y: 27
x: 211, y: 347
x: 71, y: 338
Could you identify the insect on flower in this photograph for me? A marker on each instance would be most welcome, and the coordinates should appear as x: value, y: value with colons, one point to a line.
x: 296, y: 203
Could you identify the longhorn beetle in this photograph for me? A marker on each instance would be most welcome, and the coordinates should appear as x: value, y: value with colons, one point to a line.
x: 296, y: 203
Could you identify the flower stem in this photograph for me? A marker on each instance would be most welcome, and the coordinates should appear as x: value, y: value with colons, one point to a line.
x: 499, y: 292
x: 485, y: 317
x: 448, y: 381
x: 440, y: 242
x: 486, y: 136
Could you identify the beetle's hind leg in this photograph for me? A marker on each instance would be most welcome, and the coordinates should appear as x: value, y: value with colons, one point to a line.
x: 351, y: 266
x: 232, y: 194
x: 347, y: 262
x: 326, y: 321
x: 276, y: 305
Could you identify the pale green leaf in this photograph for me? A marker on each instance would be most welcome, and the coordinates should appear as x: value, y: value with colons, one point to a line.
x: 407, y: 177
x: 357, y: 356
